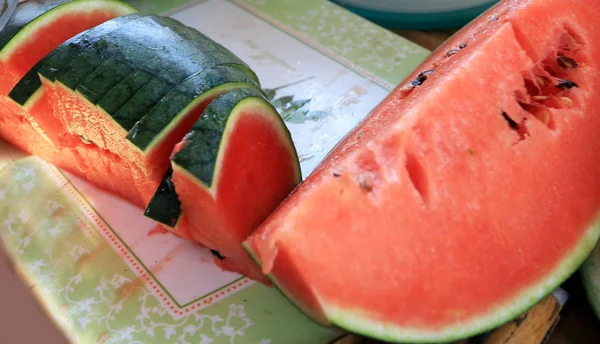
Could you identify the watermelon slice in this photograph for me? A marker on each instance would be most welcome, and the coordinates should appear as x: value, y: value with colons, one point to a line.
x: 465, y: 197
x: 37, y: 27
x: 590, y: 276
x: 230, y: 171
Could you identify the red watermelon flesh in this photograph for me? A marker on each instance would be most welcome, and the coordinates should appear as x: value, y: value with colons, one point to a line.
x: 109, y: 170
x: 142, y: 170
x: 48, y: 31
x: 466, y: 196
x: 14, y: 126
x: 69, y: 152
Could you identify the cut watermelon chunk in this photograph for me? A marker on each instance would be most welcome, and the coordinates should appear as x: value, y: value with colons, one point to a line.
x: 25, y: 43
x: 231, y: 170
x: 465, y: 197
x: 185, y: 76
x: 37, y: 27
x: 29, y: 93
x: 147, y: 164
x: 82, y: 123
x: 590, y: 276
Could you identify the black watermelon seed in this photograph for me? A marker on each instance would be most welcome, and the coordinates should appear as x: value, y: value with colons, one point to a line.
x: 451, y: 52
x: 85, y: 140
x: 217, y: 254
x: 426, y: 73
x: 565, y: 84
x: 421, y: 78
x: 365, y: 183
x: 566, y: 62
x: 416, y: 82
x: 462, y: 45
x: 511, y: 123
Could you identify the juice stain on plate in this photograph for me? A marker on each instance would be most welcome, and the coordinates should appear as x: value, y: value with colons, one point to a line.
x: 157, y: 231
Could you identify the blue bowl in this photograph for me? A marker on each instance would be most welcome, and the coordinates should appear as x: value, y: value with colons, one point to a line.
x: 418, y: 14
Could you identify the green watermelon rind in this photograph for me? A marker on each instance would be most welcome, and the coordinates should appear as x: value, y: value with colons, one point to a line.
x: 590, y: 278
x: 277, y: 121
x: 299, y: 305
x: 355, y: 320
x: 25, y: 12
x: 60, y: 57
x: 47, y: 18
x: 158, y: 138
x: 122, y: 51
x: 215, y: 90
x: 232, y: 119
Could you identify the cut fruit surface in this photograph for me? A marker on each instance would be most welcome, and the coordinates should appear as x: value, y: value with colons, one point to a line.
x: 231, y: 170
x: 465, y: 197
x: 37, y: 27
x: 159, y: 131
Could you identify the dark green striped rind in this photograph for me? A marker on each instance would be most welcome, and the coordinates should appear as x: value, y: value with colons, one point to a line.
x: 201, y: 148
x: 165, y: 206
x: 118, y: 96
x: 219, y: 53
x: 129, y: 70
x: 104, y: 78
x: 24, y: 14
x: 172, y: 108
x: 60, y: 57
x: 200, y: 54
x: 138, y: 44
x: 151, y: 44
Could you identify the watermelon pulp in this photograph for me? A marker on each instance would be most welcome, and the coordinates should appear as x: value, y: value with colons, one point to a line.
x: 465, y: 197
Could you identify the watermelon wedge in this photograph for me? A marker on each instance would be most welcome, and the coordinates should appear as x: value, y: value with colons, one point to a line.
x: 465, y: 197
x: 37, y: 27
x: 230, y: 171
x: 590, y: 276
